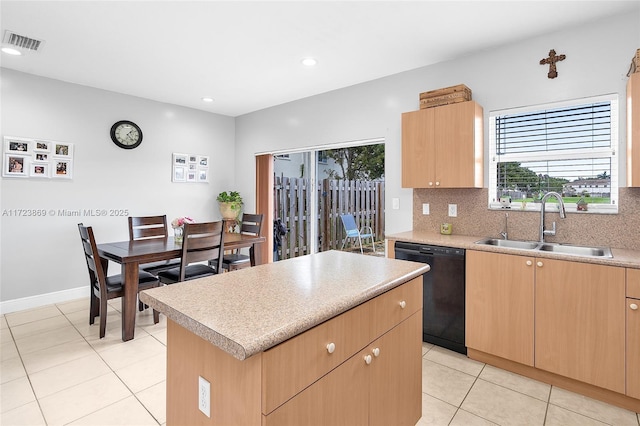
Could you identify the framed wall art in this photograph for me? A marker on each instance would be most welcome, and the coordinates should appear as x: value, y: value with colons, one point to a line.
x: 37, y: 158
x: 189, y: 168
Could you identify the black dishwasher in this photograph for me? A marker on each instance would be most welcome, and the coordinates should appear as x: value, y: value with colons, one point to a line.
x: 443, y: 313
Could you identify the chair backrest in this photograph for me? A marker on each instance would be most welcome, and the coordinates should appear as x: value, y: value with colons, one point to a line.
x: 147, y: 227
x: 349, y: 223
x: 251, y: 224
x: 202, y: 242
x: 95, y: 264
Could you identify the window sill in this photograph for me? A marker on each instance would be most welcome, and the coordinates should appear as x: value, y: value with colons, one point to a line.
x: 553, y: 207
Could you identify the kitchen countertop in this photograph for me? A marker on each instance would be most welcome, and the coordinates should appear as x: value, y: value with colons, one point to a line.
x: 247, y: 311
x: 621, y: 257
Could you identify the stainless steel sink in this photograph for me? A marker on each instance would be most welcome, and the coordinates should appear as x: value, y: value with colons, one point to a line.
x: 524, y: 245
x: 576, y: 250
x: 548, y: 247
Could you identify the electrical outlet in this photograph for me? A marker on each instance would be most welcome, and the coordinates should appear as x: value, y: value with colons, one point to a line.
x: 204, y: 397
x: 395, y: 203
x: 453, y: 210
x: 425, y: 208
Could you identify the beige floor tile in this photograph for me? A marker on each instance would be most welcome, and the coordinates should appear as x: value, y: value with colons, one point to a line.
x: 131, y: 352
x: 592, y: 408
x: 56, y: 355
x: 78, y: 401
x: 155, y: 400
x: 516, y: 382
x: 454, y: 360
x: 74, y: 305
x: 25, y: 415
x: 8, y: 350
x: 63, y: 376
x: 5, y: 336
x: 445, y: 383
x: 11, y: 369
x: 464, y: 418
x: 144, y: 374
x: 503, y: 406
x: 160, y: 335
x: 426, y: 347
x: 435, y: 412
x: 38, y: 342
x: 127, y: 412
x: 15, y: 393
x: 558, y: 416
x: 39, y: 327
x: 23, y: 317
x: 3, y: 323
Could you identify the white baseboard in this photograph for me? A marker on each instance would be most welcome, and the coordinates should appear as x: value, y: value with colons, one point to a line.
x: 31, y: 302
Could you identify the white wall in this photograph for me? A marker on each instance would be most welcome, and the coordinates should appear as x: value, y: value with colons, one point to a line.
x: 598, y: 58
x: 42, y: 255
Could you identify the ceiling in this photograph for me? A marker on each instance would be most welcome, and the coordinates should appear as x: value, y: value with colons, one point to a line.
x: 247, y: 54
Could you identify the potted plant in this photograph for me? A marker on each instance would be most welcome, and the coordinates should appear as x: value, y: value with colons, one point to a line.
x: 230, y: 204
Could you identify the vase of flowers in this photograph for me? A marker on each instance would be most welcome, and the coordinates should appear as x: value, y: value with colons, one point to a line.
x: 230, y: 204
x: 178, y: 227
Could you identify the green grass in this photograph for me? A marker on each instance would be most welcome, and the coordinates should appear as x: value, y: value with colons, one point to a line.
x: 590, y: 200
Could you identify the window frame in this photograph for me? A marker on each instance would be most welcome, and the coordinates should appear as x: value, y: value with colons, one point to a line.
x: 552, y: 205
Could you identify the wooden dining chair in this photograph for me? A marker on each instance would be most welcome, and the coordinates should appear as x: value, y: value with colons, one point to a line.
x: 203, y: 242
x: 105, y: 287
x: 151, y: 227
x: 251, y: 225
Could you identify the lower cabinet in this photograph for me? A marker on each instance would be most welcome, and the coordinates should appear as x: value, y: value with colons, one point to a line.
x: 499, y: 305
x: 632, y: 309
x: 563, y: 317
x: 580, y: 322
x: 377, y: 386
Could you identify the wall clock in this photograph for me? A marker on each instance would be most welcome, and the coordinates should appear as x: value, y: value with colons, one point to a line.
x: 126, y: 134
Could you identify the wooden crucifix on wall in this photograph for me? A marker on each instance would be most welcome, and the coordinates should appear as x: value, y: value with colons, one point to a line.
x: 551, y: 61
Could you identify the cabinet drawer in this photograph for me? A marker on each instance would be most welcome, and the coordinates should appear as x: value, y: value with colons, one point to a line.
x: 293, y: 365
x: 393, y: 307
x: 633, y: 283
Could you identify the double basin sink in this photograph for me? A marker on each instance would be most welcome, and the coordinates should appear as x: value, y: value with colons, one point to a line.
x: 548, y: 247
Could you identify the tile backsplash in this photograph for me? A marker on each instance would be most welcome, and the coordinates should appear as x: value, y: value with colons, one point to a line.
x: 621, y: 230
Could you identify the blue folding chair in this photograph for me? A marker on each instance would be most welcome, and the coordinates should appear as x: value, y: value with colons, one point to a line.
x: 352, y: 231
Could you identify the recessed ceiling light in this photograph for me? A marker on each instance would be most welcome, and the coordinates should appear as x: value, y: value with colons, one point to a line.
x: 207, y: 99
x: 309, y: 62
x: 11, y: 51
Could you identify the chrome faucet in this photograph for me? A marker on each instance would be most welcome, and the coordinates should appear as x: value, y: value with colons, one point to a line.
x: 505, y: 234
x: 563, y: 214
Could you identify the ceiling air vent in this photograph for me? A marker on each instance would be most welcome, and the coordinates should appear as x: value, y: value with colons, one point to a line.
x: 16, y: 40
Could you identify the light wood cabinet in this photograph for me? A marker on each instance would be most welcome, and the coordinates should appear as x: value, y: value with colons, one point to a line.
x: 632, y: 310
x: 442, y: 147
x: 500, y: 305
x: 317, y: 377
x: 633, y: 130
x: 563, y: 317
x: 377, y: 386
x: 580, y: 322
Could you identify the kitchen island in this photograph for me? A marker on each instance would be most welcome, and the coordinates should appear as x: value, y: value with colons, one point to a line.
x: 331, y: 338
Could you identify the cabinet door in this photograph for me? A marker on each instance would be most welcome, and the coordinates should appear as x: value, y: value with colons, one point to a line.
x: 580, y: 322
x: 339, y: 398
x: 418, y: 151
x: 499, y: 305
x: 396, y: 375
x: 633, y: 347
x: 458, y: 145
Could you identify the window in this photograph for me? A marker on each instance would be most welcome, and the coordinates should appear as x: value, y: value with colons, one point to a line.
x: 568, y: 147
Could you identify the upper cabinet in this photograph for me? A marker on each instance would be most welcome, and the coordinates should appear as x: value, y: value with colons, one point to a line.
x: 442, y: 147
x: 633, y: 130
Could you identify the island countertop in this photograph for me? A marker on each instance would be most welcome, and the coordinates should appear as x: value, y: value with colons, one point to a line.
x: 247, y: 311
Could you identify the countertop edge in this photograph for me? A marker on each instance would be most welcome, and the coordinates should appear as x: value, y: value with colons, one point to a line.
x: 242, y: 352
x: 621, y: 257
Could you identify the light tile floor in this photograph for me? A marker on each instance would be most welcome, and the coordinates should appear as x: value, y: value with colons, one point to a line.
x: 55, y: 370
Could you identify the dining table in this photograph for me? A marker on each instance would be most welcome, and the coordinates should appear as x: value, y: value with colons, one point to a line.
x: 131, y: 254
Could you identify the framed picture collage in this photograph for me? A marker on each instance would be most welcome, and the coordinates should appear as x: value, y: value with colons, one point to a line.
x: 37, y: 159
